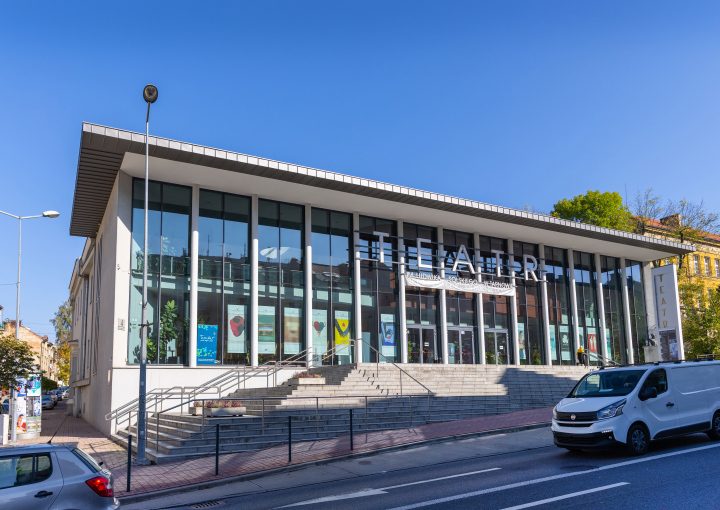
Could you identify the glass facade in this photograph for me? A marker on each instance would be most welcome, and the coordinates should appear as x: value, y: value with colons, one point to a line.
x: 560, y: 316
x: 460, y: 306
x: 636, y: 300
x: 529, y: 307
x: 223, y: 315
x: 281, y: 280
x: 497, y: 316
x: 611, y: 272
x: 332, y: 285
x: 379, y: 291
x: 586, y: 292
x: 168, y: 272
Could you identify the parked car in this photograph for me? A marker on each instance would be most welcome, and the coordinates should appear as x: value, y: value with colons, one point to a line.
x: 631, y: 406
x: 54, y: 476
x: 5, y: 407
x: 59, y: 394
x: 52, y: 395
x: 65, y: 394
x: 47, y: 402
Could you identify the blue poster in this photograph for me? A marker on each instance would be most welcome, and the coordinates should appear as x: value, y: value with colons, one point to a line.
x: 207, y: 344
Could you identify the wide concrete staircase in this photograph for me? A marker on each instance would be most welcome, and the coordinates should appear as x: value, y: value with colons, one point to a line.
x: 381, y: 396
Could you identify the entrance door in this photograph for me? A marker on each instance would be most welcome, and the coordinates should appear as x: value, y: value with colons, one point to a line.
x: 460, y: 346
x: 422, y: 345
x: 429, y: 346
x: 497, y: 351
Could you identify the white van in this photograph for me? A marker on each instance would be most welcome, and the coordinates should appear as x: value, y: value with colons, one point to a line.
x: 636, y: 404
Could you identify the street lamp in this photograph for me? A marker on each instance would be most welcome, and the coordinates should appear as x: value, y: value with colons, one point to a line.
x: 46, y: 214
x: 150, y: 95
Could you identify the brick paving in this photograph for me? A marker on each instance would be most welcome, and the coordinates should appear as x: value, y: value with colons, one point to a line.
x: 147, y: 479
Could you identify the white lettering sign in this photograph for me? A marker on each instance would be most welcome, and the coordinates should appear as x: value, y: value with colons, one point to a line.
x: 667, y: 304
x: 458, y: 284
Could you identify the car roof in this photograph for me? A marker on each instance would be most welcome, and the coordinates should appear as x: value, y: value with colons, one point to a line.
x: 31, y: 448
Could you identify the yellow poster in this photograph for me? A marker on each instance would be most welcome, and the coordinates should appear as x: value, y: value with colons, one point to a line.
x: 342, y: 328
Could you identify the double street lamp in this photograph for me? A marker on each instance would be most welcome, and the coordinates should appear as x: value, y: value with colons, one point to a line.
x: 46, y: 214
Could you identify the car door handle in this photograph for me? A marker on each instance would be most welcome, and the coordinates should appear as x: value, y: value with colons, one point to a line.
x: 669, y: 404
x: 43, y: 494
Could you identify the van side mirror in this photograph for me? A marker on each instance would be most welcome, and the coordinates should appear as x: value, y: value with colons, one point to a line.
x: 648, y: 393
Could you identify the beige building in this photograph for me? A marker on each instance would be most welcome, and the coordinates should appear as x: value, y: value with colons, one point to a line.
x: 45, y: 351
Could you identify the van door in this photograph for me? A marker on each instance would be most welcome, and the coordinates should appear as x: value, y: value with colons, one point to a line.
x: 691, y: 397
x: 660, y: 413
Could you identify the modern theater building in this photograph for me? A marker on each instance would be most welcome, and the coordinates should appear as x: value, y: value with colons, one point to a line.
x: 252, y: 260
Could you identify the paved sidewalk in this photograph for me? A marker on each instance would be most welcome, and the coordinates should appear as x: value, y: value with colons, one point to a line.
x: 147, y: 479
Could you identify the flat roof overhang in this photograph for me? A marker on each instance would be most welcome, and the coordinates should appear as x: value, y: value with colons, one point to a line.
x: 105, y: 151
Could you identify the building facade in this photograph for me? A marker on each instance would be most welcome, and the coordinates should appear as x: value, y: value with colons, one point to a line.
x: 45, y: 351
x: 253, y: 261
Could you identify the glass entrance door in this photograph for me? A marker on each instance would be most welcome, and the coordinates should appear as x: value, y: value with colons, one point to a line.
x: 422, y: 345
x: 461, y: 346
x: 497, y: 351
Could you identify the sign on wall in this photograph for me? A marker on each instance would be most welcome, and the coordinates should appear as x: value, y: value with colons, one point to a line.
x: 207, y: 344
x: 458, y: 284
x: 667, y: 305
x: 266, y: 330
x: 237, y: 343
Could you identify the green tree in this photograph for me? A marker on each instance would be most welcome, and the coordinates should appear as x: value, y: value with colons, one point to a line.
x: 17, y: 360
x: 601, y: 209
x: 701, y: 321
x: 47, y: 384
x: 62, y: 322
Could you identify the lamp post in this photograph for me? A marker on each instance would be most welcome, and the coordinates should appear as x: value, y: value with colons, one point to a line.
x: 150, y: 95
x: 46, y: 214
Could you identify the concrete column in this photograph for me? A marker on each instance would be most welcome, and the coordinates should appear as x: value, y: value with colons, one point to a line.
x: 401, y: 296
x: 195, y: 226
x: 545, y: 307
x: 479, y: 303
x: 254, y: 282
x: 513, y: 305
x: 443, y: 301
x: 601, y: 309
x: 308, y: 286
x: 357, y: 295
x: 573, y: 304
x: 626, y: 313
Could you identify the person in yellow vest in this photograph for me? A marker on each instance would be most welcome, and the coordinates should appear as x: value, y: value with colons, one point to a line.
x: 581, y: 356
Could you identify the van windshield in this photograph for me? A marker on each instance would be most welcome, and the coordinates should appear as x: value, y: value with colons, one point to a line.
x: 611, y: 383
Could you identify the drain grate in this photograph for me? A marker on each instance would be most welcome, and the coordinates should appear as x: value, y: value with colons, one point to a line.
x: 208, y: 504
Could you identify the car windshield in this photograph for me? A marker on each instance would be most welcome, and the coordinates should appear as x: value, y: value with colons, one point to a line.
x: 610, y: 383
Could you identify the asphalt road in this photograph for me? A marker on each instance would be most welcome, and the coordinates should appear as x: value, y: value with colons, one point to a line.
x: 676, y: 474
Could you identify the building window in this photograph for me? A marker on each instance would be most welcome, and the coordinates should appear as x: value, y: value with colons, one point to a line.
x: 496, y: 309
x: 168, y: 272
x: 281, y: 280
x: 586, y: 292
x: 223, y: 314
x: 611, y: 274
x: 559, y: 310
x: 696, y: 264
x: 717, y: 267
x: 332, y: 284
x: 460, y: 306
x: 529, y: 311
x: 638, y: 318
x: 379, y: 291
x: 707, y: 266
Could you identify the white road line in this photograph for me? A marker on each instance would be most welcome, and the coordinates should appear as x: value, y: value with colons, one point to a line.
x: 566, y: 496
x: 554, y: 477
x: 437, y: 479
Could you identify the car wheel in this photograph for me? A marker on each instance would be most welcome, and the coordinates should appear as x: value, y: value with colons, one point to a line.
x: 714, y: 432
x: 638, y: 440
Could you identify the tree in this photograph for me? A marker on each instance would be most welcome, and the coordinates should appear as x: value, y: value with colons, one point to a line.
x: 17, y: 360
x: 601, y: 209
x: 62, y: 322
x: 646, y: 208
x: 63, y: 353
x: 701, y: 323
x: 48, y: 384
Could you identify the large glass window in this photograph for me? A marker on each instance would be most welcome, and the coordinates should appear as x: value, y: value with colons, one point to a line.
x: 586, y: 291
x: 168, y: 272
x: 496, y: 309
x: 460, y: 306
x: 529, y: 310
x: 611, y: 272
x: 224, y: 315
x: 559, y: 309
x: 379, y: 290
x: 281, y: 280
x: 638, y: 319
x: 332, y: 273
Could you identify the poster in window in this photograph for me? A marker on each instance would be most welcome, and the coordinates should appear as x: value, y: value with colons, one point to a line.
x: 21, y: 413
x: 266, y: 330
x: 318, y: 334
x: 236, y: 333
x: 668, y: 345
x: 592, y: 340
x: 291, y: 331
x: 387, y: 328
x: 565, y: 343
x: 206, y: 344
x: 342, y: 328
x: 521, y: 339
x: 608, y: 343
x: 553, y: 342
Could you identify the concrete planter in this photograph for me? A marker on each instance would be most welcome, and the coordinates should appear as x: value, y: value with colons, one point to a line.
x: 216, y: 412
x: 306, y: 381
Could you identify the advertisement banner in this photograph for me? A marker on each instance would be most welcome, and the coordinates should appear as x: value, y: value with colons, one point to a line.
x: 291, y: 331
x: 521, y: 339
x: 458, y: 284
x: 667, y: 303
x: 236, y: 334
x: 565, y: 353
x: 266, y: 330
x: 207, y: 344
x: 342, y: 328
x: 553, y: 343
x: 387, y: 327
x: 592, y: 340
x: 319, y: 331
x: 21, y: 413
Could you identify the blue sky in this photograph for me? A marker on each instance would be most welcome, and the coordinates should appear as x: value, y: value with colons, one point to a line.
x: 508, y: 102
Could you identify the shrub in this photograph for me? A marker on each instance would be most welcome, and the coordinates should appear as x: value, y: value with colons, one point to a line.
x: 305, y: 375
x: 218, y: 404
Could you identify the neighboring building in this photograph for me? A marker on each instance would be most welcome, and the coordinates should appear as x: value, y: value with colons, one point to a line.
x: 45, y: 352
x: 254, y: 261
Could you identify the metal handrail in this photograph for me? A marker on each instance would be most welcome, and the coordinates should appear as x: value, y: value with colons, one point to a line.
x: 605, y: 361
x: 396, y: 366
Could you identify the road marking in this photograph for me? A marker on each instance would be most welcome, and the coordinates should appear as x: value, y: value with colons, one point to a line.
x: 566, y: 496
x: 551, y: 478
x: 375, y: 492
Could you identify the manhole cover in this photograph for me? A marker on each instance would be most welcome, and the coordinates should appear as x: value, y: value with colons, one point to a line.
x: 208, y: 504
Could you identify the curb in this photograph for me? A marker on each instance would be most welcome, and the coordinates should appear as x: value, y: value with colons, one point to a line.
x: 136, y: 498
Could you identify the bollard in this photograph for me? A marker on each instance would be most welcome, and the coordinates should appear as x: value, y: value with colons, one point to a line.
x: 129, y: 461
x: 217, y: 448
x: 351, y: 432
x: 289, y: 439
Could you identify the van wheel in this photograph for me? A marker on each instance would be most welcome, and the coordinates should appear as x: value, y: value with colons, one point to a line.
x: 638, y: 440
x: 714, y: 432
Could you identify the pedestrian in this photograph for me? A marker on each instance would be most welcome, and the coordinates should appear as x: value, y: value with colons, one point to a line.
x: 581, y: 356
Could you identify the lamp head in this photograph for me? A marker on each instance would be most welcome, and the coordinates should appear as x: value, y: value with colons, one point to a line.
x: 150, y: 93
x: 51, y: 214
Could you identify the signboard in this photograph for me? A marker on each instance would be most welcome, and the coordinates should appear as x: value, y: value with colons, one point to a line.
x: 319, y: 331
x: 342, y: 328
x: 387, y: 328
x: 553, y: 343
x: 458, y: 284
x: 521, y: 340
x: 207, y: 344
x: 266, y: 329
x: 565, y: 343
x: 667, y: 304
x: 28, y: 407
x: 291, y: 331
x: 237, y: 338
